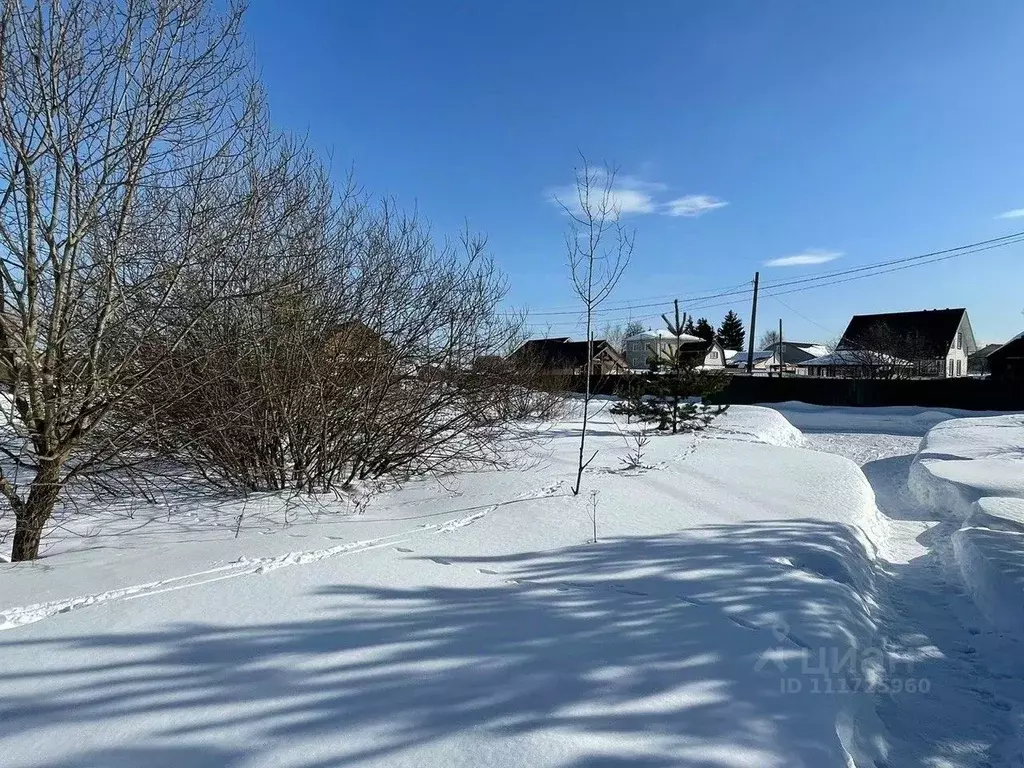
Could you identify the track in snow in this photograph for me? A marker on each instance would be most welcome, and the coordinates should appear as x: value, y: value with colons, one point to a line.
x: 18, y: 616
x: 970, y: 716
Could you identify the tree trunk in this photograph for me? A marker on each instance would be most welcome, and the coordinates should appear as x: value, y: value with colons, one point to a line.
x: 31, y: 519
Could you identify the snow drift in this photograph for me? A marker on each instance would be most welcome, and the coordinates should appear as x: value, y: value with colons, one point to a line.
x: 973, y: 469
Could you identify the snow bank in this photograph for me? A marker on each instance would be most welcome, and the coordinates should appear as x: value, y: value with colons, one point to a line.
x: 763, y: 425
x: 963, y: 460
x: 891, y: 420
x: 989, y: 550
x: 973, y: 469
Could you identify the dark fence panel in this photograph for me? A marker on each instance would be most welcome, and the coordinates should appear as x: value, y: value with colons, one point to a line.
x: 968, y: 394
x: 964, y: 393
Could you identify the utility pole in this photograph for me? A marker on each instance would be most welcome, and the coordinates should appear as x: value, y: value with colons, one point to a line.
x: 782, y: 360
x: 753, y: 327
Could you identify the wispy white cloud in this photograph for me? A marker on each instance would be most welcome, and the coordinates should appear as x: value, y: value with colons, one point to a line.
x: 811, y: 256
x: 627, y: 194
x: 692, y: 206
x: 633, y: 195
x: 1016, y: 213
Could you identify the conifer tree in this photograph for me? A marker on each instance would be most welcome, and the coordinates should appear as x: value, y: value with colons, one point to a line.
x: 731, y: 334
x: 704, y: 330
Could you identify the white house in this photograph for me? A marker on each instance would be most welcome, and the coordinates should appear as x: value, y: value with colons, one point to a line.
x: 660, y: 344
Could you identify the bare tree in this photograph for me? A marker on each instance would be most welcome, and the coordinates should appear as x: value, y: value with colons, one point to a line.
x: 633, y: 327
x: 126, y: 153
x: 768, y: 340
x: 598, y: 249
x: 883, y: 352
x: 614, y: 334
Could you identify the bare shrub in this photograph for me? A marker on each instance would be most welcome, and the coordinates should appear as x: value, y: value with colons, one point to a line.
x: 636, y: 445
x: 353, y: 363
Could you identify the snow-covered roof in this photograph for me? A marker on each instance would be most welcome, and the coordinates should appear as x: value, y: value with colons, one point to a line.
x: 818, y: 350
x: 663, y: 333
x: 730, y: 353
x: 855, y: 357
x: 759, y: 354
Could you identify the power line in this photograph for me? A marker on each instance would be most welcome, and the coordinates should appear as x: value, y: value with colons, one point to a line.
x: 901, y: 268
x: 638, y: 306
x: 798, y: 313
x: 995, y: 242
x: 627, y: 304
x: 809, y: 282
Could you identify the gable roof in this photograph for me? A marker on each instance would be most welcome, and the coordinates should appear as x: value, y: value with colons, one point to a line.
x: 934, y: 329
x: 760, y: 355
x: 1013, y: 348
x: 986, y: 350
x: 796, y: 352
x: 562, y: 353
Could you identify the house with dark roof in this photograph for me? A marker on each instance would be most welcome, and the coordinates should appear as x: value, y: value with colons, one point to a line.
x: 1007, y: 362
x: 793, y: 354
x: 562, y: 356
x: 930, y: 343
x: 762, y: 359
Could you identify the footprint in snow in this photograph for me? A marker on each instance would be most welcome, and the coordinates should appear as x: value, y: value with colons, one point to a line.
x: 798, y: 642
x: 743, y: 623
x: 440, y: 561
x: 984, y: 693
x: 487, y: 571
x: 630, y: 592
x: 690, y: 600
x: 402, y: 549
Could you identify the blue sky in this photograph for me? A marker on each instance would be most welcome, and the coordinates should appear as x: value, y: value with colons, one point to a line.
x: 863, y: 131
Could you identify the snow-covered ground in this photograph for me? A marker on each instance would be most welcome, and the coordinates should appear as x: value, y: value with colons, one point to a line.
x: 927, y: 468
x: 753, y: 600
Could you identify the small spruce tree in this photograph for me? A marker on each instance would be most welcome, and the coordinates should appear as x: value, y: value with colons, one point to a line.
x: 675, y: 382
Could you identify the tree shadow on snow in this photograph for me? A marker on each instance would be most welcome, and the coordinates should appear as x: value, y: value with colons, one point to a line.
x: 637, y: 651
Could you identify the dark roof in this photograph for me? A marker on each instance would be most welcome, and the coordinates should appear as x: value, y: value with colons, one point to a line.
x: 933, y: 329
x: 759, y: 354
x: 540, y: 350
x: 697, y: 346
x: 986, y: 351
x: 561, y: 353
x: 793, y: 352
x: 1013, y: 348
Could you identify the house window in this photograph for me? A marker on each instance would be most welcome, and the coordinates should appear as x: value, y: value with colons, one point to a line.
x: 951, y: 368
x: 959, y: 367
x: 713, y: 355
x: 959, y: 340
